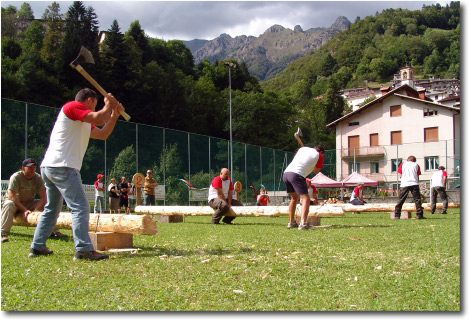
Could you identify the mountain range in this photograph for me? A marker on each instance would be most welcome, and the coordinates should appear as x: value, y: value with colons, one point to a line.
x: 268, y: 54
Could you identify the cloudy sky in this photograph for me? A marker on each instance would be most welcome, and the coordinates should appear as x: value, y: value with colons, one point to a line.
x: 187, y: 20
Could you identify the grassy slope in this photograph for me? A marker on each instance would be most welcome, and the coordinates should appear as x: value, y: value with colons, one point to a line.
x: 362, y: 262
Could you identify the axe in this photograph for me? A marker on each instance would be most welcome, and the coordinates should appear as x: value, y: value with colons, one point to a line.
x: 86, y: 56
x: 297, y: 135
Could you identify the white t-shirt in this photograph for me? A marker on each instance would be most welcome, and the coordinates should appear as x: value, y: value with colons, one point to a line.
x: 218, y: 183
x: 304, y: 162
x: 356, y: 194
x: 97, y: 192
x: 437, y: 178
x: 410, y: 172
x: 69, y: 138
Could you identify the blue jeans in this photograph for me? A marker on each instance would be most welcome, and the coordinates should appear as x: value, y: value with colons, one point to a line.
x: 100, y: 200
x: 64, y: 183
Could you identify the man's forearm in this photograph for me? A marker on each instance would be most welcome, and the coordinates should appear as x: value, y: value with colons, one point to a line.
x: 107, y: 129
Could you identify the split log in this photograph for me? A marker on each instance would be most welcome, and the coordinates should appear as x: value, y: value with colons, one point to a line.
x: 120, y: 223
x: 246, y: 211
x: 385, y: 207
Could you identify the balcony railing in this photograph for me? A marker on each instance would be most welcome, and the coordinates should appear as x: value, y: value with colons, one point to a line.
x: 362, y: 152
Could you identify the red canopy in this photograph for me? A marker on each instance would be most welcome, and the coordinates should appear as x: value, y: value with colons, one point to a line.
x: 322, y: 181
x: 355, y: 178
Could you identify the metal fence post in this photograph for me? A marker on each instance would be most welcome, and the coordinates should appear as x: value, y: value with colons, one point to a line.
x: 26, y: 132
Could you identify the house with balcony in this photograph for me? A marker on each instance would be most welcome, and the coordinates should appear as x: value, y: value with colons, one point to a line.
x: 374, y: 139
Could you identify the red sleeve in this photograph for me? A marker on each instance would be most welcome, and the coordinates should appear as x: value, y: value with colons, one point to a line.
x: 399, y: 170
x: 418, y: 170
x: 75, y: 110
x: 356, y: 191
x: 320, y: 162
x: 444, y: 173
x: 96, y: 184
x: 231, y: 185
x: 314, y: 189
x: 216, y: 183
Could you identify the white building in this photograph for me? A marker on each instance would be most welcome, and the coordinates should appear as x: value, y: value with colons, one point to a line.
x: 374, y: 139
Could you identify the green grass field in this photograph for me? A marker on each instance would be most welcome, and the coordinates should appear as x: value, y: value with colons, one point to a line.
x: 360, y: 262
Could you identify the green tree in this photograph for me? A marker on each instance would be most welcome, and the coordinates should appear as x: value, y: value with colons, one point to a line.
x: 54, y: 32
x: 124, y: 165
x: 25, y: 12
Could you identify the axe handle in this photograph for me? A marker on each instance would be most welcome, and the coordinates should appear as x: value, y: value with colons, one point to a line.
x: 299, y: 140
x: 97, y: 86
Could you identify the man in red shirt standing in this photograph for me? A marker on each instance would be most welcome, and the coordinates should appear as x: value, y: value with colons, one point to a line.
x: 409, y: 172
x: 76, y: 124
x: 220, y: 197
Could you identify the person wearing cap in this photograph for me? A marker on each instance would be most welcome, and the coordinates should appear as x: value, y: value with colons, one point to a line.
x: 22, y: 189
x: 306, y: 160
x: 357, y: 195
x: 438, y: 187
x: 77, y: 122
x: 99, y: 194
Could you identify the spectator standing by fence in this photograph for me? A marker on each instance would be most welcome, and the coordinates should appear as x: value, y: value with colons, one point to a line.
x: 99, y: 194
x: 113, y: 196
x: 123, y: 195
x: 149, y: 189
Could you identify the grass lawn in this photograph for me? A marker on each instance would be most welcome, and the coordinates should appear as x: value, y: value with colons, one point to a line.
x: 363, y: 262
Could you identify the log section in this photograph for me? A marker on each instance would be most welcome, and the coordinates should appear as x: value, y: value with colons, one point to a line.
x: 386, y: 207
x: 120, y: 223
x: 246, y: 211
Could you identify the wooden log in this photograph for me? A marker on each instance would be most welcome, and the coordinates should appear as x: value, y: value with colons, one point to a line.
x: 385, y: 207
x: 246, y: 211
x: 120, y: 223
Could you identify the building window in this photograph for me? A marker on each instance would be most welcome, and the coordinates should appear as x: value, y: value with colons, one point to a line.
x: 430, y: 134
x: 396, y: 111
x: 430, y: 112
x: 373, y: 140
x: 374, y: 165
x: 353, y: 123
x: 395, y: 163
x: 396, y: 137
x: 352, y: 168
x: 431, y: 163
x: 353, y: 145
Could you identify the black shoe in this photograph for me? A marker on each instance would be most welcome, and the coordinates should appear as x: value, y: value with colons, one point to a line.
x: 396, y: 217
x: 90, y: 255
x: 57, y: 235
x: 420, y: 217
x: 227, y: 222
x: 33, y: 253
x: 4, y: 239
x: 444, y: 212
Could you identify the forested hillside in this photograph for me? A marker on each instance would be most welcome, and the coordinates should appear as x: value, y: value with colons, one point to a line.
x: 159, y: 84
x: 373, y: 49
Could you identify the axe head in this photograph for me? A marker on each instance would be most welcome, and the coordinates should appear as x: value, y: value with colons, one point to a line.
x: 84, y: 56
x: 299, y: 133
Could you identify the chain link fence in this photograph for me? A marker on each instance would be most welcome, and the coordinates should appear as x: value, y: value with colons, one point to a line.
x: 174, y: 155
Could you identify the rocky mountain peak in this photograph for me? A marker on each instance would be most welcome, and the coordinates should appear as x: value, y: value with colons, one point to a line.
x: 341, y: 23
x: 298, y: 28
